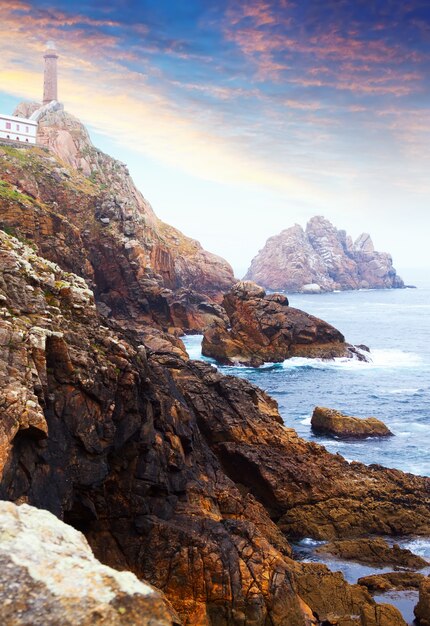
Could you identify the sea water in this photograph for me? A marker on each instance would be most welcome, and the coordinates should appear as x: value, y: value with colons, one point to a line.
x: 394, y: 387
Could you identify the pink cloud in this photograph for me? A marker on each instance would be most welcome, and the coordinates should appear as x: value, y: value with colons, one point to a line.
x: 274, y: 43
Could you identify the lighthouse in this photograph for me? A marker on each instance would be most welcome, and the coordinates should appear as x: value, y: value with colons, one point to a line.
x: 50, y: 76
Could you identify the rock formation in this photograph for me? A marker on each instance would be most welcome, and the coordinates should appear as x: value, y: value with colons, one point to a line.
x: 375, y: 552
x: 422, y: 610
x: 82, y: 210
x: 171, y: 470
x: 379, y: 583
x: 181, y: 475
x: 264, y: 327
x: 331, y: 422
x: 321, y: 258
x: 49, y: 576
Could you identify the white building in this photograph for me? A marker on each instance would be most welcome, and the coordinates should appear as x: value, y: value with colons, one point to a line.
x: 18, y: 129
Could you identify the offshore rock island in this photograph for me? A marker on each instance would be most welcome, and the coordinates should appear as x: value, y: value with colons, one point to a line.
x: 321, y: 258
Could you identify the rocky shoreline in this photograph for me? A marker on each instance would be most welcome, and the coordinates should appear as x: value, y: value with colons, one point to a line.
x: 260, y: 327
x: 173, y: 471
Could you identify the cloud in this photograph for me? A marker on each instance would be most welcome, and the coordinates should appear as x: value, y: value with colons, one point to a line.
x: 117, y: 101
x: 287, y: 45
x: 298, y: 114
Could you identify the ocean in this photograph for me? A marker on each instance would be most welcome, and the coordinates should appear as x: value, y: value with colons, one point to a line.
x: 394, y: 387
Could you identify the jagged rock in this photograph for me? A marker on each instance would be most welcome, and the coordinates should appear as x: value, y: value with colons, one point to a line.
x: 422, y: 609
x: 337, y: 603
x: 172, y: 470
x: 374, y: 551
x: 264, y: 327
x: 82, y: 210
x: 331, y: 422
x: 49, y: 576
x: 379, y: 583
x: 321, y: 258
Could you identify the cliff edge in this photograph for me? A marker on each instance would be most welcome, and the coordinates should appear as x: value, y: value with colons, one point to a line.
x: 83, y: 211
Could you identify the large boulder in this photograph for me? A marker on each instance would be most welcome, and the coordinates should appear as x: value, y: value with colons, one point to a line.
x: 331, y: 422
x: 321, y: 258
x: 263, y: 327
x: 49, y: 576
x: 422, y: 609
x: 379, y: 583
x: 375, y: 552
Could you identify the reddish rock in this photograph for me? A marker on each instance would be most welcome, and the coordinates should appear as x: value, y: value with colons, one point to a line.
x: 83, y: 211
x: 375, y: 552
x: 172, y: 470
x: 321, y: 258
x: 422, y: 609
x: 264, y: 328
x: 331, y: 422
x: 379, y: 583
x: 337, y: 603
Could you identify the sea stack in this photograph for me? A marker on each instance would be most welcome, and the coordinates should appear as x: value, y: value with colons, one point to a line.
x: 322, y: 258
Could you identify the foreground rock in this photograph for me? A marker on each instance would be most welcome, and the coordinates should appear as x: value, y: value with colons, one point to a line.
x: 173, y: 471
x: 321, y: 258
x: 379, y: 583
x: 49, y: 576
x: 375, y: 552
x: 331, y: 422
x: 264, y: 328
x: 422, y: 610
x: 82, y: 210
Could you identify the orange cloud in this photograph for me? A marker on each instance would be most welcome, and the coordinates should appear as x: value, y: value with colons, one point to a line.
x: 118, y: 102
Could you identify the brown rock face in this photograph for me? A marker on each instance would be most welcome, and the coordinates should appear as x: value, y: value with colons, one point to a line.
x: 422, y: 610
x: 49, y: 576
x: 82, y: 210
x: 173, y: 471
x: 321, y: 257
x: 375, y: 552
x: 379, y: 583
x: 331, y: 422
x: 264, y: 327
x: 338, y: 603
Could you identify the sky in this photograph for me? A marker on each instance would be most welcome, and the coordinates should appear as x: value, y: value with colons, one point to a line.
x: 240, y: 118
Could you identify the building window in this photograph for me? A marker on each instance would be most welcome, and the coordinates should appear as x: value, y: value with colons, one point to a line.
x: 8, y: 136
x: 17, y: 127
x: 8, y: 125
x: 27, y: 140
x: 17, y: 138
x: 26, y: 129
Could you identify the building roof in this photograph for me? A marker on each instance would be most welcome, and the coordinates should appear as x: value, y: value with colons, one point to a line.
x: 22, y: 120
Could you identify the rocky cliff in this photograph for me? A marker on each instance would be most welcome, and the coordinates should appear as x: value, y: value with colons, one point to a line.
x: 262, y: 328
x: 182, y: 475
x: 321, y: 258
x: 82, y: 210
x: 49, y: 576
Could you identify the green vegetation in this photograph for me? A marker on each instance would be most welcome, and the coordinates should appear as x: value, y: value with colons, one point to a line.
x: 8, y: 192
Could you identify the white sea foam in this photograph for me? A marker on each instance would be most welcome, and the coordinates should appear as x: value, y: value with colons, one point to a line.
x: 380, y: 359
x: 408, y: 391
x: 418, y: 545
x: 306, y: 421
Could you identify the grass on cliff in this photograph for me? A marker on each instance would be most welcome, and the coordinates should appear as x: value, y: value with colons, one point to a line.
x: 8, y: 192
